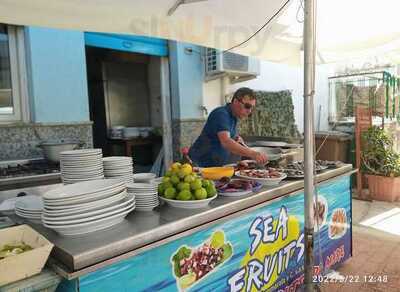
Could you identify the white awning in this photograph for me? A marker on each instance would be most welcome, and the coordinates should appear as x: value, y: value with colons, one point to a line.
x: 346, y: 29
x: 210, y: 23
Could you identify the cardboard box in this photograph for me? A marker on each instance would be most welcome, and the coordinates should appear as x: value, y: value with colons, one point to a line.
x: 28, y: 263
x: 335, y: 146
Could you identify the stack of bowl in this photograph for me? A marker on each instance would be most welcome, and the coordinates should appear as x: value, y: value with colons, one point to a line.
x: 145, y: 195
x: 81, y: 165
x: 118, y: 167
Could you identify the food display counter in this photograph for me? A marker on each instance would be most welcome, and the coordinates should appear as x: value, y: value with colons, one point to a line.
x: 254, y: 242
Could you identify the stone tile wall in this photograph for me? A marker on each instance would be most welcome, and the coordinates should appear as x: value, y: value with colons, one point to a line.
x: 20, y: 141
x: 184, y: 133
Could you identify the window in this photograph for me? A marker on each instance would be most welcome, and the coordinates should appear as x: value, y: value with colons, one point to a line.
x: 13, y: 89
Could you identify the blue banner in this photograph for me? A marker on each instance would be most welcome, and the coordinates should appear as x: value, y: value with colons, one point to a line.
x: 260, y: 251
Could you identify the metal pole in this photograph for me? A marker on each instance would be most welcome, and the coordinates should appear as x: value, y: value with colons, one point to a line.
x: 309, y: 77
x: 166, y: 112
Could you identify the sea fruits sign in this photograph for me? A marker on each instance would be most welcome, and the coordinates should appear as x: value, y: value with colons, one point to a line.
x: 275, y: 254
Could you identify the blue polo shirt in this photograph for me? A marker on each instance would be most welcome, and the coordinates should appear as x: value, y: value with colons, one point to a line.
x: 207, y: 150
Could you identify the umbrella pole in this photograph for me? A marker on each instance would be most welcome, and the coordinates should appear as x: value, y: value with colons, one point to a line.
x: 309, y: 79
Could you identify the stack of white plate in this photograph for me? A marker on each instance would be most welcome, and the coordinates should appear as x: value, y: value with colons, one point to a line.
x: 81, y: 165
x: 87, y: 206
x: 29, y: 207
x: 145, y: 195
x: 118, y: 167
x: 145, y: 177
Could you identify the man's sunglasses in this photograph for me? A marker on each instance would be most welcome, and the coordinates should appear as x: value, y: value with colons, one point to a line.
x: 246, y: 105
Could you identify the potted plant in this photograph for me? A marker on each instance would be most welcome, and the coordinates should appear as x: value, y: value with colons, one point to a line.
x: 381, y: 163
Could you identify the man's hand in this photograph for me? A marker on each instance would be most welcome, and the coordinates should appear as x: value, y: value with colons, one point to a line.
x: 261, y: 158
x: 234, y: 147
x: 240, y: 140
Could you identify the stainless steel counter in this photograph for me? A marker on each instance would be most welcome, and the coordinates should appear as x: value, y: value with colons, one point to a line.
x: 29, y: 181
x: 145, y: 230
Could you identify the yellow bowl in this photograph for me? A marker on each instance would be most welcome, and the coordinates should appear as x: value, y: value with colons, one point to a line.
x: 216, y: 173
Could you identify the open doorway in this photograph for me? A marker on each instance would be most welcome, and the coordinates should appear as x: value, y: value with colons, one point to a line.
x: 126, y: 104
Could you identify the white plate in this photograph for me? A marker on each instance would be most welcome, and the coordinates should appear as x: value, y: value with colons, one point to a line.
x: 120, y: 173
x: 105, y: 193
x: 157, y: 180
x: 188, y: 204
x: 87, y: 227
x: 235, y: 194
x: 24, y: 215
x: 76, y: 215
x: 27, y: 215
x: 146, y: 209
x: 78, y: 174
x: 29, y: 203
x: 117, y: 159
x: 117, y: 164
x: 82, y: 157
x: 264, y: 181
x: 83, y: 178
x: 147, y: 205
x: 84, y: 162
x: 82, y: 152
x: 81, y: 168
x: 85, y: 201
x: 119, y: 169
x: 8, y: 205
x: 83, y: 188
x: 52, y: 222
x: 87, y: 179
x: 87, y: 207
x: 152, y: 202
x: 29, y: 212
x: 142, y: 190
x: 138, y: 207
x: 270, y: 143
x: 141, y: 202
x: 144, y: 177
x: 81, y: 164
x: 145, y: 196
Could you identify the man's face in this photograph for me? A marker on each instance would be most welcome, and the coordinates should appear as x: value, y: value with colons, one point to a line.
x: 243, y: 107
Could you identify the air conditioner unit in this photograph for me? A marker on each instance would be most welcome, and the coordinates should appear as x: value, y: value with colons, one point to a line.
x: 218, y: 62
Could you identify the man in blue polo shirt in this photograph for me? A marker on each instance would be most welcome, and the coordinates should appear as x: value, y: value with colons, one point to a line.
x: 219, y: 141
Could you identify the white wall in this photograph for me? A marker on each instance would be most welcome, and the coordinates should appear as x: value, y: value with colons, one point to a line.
x: 212, y: 94
x: 155, y: 91
x: 275, y: 77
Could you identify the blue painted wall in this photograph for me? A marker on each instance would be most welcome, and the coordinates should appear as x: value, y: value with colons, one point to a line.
x: 57, y: 71
x: 186, y: 81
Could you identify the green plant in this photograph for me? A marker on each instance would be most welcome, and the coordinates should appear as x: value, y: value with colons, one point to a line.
x: 377, y: 155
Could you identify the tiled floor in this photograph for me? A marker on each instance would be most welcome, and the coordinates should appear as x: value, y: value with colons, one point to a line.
x: 375, y: 265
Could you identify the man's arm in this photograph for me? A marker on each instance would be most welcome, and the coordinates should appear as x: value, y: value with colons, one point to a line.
x: 234, y: 147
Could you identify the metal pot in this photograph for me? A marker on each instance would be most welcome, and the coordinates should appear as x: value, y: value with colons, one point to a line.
x: 52, y: 150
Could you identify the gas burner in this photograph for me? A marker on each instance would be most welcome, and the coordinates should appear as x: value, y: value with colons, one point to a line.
x: 29, y: 169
